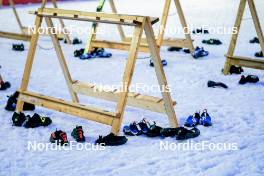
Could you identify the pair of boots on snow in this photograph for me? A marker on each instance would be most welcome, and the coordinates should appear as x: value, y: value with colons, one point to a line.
x: 60, y: 138
x: 20, y: 119
x: 199, y: 119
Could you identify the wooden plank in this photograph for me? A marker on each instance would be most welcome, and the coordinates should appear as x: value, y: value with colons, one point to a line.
x: 179, y: 42
x: 255, y: 18
x: 246, y: 62
x: 119, y: 27
x: 163, y: 22
x: 76, y: 109
x: 134, y: 99
x: 15, y: 36
x: 65, y: 36
x: 29, y: 62
x: 12, y: 4
x: 131, y: 20
x: 127, y: 78
x: 62, y: 60
x: 168, y: 103
x: 233, y: 41
x: 184, y: 24
x: 117, y: 45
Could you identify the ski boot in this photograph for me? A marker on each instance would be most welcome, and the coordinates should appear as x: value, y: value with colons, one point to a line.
x: 248, y: 79
x: 12, y: 101
x: 163, y: 62
x: 37, y: 121
x: 254, y: 40
x: 18, y: 119
x: 18, y: 47
x: 216, y: 84
x: 205, y: 119
x: 212, y: 42
x: 111, y: 140
x: 59, y: 138
x: 259, y: 54
x: 4, y: 85
x: 101, y: 53
x: 235, y: 70
x: 200, y: 52
x: 154, y: 130
x: 77, y: 134
x: 184, y: 133
x: 132, y: 130
x: 76, y: 41
x: 174, y: 48
x: 192, y: 120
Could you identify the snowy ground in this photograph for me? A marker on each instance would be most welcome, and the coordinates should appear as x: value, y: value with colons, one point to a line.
x: 237, y: 112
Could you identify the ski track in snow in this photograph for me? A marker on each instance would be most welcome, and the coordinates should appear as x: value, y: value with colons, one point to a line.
x: 237, y: 112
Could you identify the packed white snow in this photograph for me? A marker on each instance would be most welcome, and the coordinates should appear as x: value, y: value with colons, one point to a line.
x: 237, y: 112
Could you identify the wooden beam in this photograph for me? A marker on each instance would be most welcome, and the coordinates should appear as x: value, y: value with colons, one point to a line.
x: 234, y: 38
x: 179, y: 42
x: 168, y: 103
x: 130, y: 20
x: 184, y: 25
x: 117, y: 45
x: 62, y: 61
x: 76, y: 109
x: 134, y: 99
x: 119, y: 27
x: 29, y: 63
x: 246, y: 62
x: 15, y: 36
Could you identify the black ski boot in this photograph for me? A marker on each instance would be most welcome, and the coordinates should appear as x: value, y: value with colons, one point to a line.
x: 77, y: 134
x: 154, y: 130
x: 111, y: 140
x: 216, y: 84
x: 212, y: 42
x: 163, y: 62
x: 169, y: 132
x: 186, y: 50
x: 78, y: 53
x: 59, y: 138
x: 184, y: 133
x: 12, y: 101
x: 4, y: 85
x: 18, y: 47
x: 18, y: 119
x: 248, y: 79
x: 174, y: 48
x: 75, y: 41
x: 254, y: 40
x: 37, y: 121
x: 259, y: 54
x: 235, y: 70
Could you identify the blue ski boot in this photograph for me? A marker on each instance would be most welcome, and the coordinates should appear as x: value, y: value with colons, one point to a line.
x: 192, y: 120
x: 205, y: 119
x: 199, y: 52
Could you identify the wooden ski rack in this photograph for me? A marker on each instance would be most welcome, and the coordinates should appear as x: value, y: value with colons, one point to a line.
x: 26, y: 32
x: 240, y: 60
x: 186, y: 42
x: 121, y: 97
